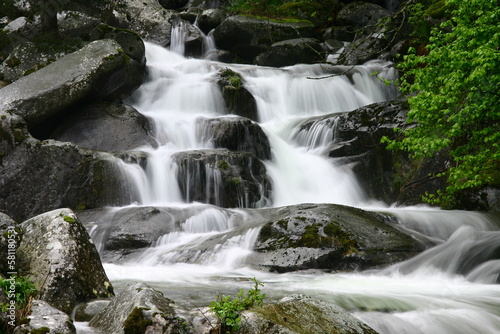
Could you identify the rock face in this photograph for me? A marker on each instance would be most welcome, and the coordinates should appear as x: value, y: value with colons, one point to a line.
x: 238, y: 99
x: 56, y: 174
x: 361, y: 14
x: 105, y: 127
x: 247, y: 37
x: 291, y: 52
x: 43, y: 316
x: 96, y: 71
x: 236, y: 134
x: 57, y: 254
x: 329, y: 236
x: 301, y: 314
x: 147, y: 18
x: 222, y: 177
x: 139, y: 309
x: 210, y: 18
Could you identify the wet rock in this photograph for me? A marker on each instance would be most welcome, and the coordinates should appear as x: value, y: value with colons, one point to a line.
x: 127, y: 230
x: 46, y: 319
x: 248, y: 37
x: 95, y: 71
x: 301, y: 314
x: 291, y: 52
x: 367, y: 47
x: 139, y: 309
x: 59, y: 257
x: 238, y: 99
x: 86, y: 311
x: 361, y: 14
x: 329, y: 236
x: 236, y: 134
x: 193, y: 41
x: 222, y: 177
x: 105, y: 126
x: 210, y: 19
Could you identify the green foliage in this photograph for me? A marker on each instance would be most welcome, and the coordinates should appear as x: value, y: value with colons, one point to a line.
x: 21, y: 292
x: 454, y: 103
x: 41, y: 330
x: 228, y: 310
x: 285, y: 9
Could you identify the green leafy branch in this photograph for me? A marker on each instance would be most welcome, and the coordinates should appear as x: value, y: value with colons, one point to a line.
x: 228, y: 310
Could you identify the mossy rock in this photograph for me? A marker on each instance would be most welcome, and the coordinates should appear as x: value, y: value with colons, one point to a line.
x: 329, y: 236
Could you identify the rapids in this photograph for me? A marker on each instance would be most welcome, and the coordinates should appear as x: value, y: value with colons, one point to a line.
x: 450, y: 288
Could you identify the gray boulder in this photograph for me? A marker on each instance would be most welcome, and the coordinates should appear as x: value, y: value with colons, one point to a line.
x: 139, y: 309
x: 238, y: 99
x: 128, y: 230
x: 105, y: 126
x: 291, y: 52
x: 38, y: 176
x: 59, y: 257
x: 86, y: 311
x: 248, y: 37
x: 193, y: 42
x: 147, y: 18
x: 210, y: 19
x: 299, y: 314
x: 222, y: 177
x: 361, y: 14
x: 367, y: 47
x: 26, y: 58
x: 236, y: 134
x: 329, y: 236
x: 46, y: 319
x: 95, y: 71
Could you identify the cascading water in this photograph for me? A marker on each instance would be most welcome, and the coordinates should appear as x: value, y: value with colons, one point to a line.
x: 447, y: 289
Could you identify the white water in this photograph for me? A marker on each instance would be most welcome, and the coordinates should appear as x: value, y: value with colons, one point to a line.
x: 436, y: 292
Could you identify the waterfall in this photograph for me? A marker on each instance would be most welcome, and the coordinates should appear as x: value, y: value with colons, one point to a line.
x: 447, y: 289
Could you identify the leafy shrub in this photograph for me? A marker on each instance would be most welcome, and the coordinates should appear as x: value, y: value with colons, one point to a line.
x: 228, y: 310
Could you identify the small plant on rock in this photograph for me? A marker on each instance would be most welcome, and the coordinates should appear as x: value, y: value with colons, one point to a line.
x: 228, y: 310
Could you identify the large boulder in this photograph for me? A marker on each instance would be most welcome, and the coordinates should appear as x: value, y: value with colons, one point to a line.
x: 332, y: 237
x: 223, y: 178
x: 46, y: 319
x: 105, y: 126
x: 210, y: 19
x: 59, y: 257
x: 361, y: 14
x: 26, y: 57
x: 247, y: 37
x: 236, y: 134
x: 140, y: 309
x: 301, y: 314
x: 237, y: 98
x: 95, y: 71
x: 38, y: 176
x: 147, y: 18
x: 291, y: 52
x: 118, y: 233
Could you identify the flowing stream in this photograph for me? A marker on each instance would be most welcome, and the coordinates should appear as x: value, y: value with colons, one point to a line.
x: 451, y: 288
